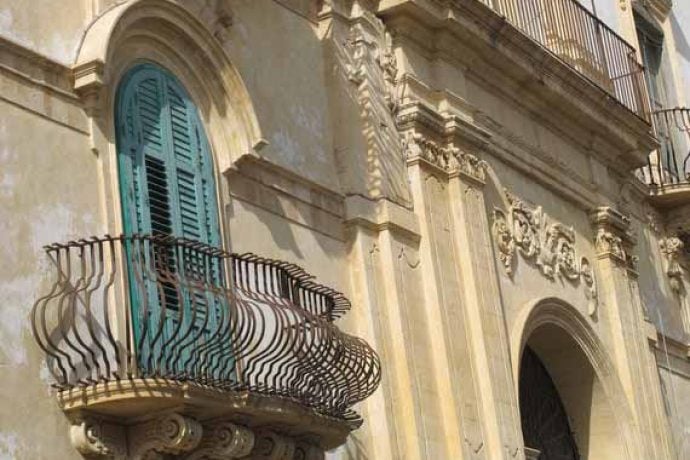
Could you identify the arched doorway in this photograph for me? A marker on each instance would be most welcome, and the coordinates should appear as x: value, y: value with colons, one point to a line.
x: 545, y: 425
x: 565, y: 411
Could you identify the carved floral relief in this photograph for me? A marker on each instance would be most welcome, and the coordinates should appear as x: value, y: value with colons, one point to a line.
x: 550, y: 246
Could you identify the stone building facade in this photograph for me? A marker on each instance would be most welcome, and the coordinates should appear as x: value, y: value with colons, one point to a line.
x: 499, y: 188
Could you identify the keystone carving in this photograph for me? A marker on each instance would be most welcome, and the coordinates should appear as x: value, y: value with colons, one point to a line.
x: 672, y: 248
x: 549, y: 246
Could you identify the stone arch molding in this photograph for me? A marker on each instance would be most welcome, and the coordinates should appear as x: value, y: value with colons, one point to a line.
x: 164, y: 32
x: 556, y: 312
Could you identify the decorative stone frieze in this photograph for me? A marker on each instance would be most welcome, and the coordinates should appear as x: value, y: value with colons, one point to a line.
x: 550, y: 246
x: 185, y: 437
x: 672, y: 248
x: 448, y: 158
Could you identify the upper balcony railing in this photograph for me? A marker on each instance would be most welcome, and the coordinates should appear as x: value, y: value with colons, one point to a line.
x: 585, y: 43
x: 173, y: 310
x: 669, y: 166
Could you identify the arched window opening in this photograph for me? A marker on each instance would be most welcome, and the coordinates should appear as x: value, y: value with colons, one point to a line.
x: 170, y: 218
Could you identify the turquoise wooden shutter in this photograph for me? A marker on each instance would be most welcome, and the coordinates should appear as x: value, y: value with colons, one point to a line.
x: 167, y: 187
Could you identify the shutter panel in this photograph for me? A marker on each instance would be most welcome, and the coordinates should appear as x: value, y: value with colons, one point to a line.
x: 168, y: 188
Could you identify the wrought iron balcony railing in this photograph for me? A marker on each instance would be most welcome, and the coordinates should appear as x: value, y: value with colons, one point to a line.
x: 584, y: 42
x: 142, y: 307
x: 669, y: 166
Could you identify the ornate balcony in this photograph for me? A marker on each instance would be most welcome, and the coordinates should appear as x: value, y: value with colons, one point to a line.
x: 668, y: 168
x: 584, y: 42
x: 159, y: 344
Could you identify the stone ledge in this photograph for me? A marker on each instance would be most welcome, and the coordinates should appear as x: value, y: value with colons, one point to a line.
x: 382, y: 215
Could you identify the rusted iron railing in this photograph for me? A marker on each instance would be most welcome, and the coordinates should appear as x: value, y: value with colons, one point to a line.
x: 670, y: 164
x: 584, y: 42
x: 166, y: 308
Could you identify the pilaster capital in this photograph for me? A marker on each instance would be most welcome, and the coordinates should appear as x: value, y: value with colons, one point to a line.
x: 444, y: 157
x: 613, y: 238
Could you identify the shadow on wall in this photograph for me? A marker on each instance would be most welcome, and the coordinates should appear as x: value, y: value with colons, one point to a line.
x: 268, y: 209
x: 680, y: 37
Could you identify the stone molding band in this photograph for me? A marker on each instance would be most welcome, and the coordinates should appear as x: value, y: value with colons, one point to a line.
x: 186, y: 438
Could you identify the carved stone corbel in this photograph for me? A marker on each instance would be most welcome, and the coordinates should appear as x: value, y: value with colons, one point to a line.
x: 170, y: 434
x: 272, y: 446
x: 223, y: 440
x: 672, y: 248
x: 97, y: 439
x: 305, y: 451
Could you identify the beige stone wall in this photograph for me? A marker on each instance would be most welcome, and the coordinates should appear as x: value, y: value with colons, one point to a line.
x: 332, y: 181
x: 51, y: 190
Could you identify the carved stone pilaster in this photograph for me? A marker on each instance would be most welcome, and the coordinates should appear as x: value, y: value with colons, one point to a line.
x: 223, y: 440
x: 672, y: 248
x: 97, y: 439
x: 170, y: 434
x: 272, y: 446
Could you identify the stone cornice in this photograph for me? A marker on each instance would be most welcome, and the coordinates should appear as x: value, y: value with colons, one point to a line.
x: 465, y: 31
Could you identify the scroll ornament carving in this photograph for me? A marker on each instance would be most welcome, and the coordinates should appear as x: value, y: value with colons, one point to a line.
x: 447, y: 158
x: 223, y: 440
x: 672, y: 248
x: 170, y: 434
x: 93, y: 438
x: 551, y: 247
x: 272, y: 446
x: 184, y: 437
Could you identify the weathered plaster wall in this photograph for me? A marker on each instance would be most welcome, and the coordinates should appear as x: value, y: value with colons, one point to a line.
x: 676, y: 390
x: 679, y: 20
x: 51, y: 28
x: 50, y: 191
x: 275, y: 49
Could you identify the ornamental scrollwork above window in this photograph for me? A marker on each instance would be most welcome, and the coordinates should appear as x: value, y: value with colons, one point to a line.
x: 550, y: 246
